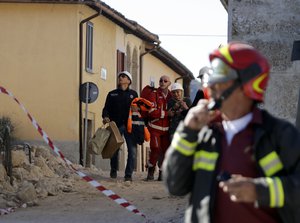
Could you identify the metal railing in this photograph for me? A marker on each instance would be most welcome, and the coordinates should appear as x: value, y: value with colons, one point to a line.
x: 27, y: 149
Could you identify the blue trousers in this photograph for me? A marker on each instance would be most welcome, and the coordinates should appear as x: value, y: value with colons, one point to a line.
x: 131, y: 146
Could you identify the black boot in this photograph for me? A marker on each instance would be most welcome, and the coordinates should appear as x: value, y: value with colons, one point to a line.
x: 159, y: 176
x: 150, y: 175
x: 113, y: 174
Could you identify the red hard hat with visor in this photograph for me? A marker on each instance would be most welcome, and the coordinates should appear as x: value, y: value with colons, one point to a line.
x: 242, y: 63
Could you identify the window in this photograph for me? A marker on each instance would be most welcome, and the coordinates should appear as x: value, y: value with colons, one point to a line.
x: 121, y: 66
x: 89, y: 47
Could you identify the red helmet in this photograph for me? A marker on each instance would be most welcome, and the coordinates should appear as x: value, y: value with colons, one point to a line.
x: 240, y: 61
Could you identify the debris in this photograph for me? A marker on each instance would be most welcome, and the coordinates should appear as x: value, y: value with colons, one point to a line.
x: 47, y: 175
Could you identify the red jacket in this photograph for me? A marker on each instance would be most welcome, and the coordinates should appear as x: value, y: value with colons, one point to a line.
x: 158, y: 116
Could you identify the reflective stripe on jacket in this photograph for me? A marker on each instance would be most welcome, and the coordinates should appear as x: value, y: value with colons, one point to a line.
x: 158, y: 115
x: 189, y: 168
x: 135, y: 123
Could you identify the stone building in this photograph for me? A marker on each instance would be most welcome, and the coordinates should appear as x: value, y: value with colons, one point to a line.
x: 272, y: 26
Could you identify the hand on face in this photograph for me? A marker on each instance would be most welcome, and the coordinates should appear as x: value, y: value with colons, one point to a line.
x: 199, y: 116
x: 227, y: 95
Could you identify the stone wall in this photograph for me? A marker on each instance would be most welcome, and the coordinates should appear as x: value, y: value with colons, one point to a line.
x: 271, y: 26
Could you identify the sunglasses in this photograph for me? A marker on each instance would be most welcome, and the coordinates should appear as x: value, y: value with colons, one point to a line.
x: 165, y: 81
x: 123, y: 75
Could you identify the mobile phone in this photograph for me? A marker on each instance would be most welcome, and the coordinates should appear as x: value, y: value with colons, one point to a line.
x: 214, y: 105
x: 223, y: 176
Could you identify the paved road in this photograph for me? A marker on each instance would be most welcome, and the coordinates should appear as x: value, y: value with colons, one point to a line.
x: 87, y: 205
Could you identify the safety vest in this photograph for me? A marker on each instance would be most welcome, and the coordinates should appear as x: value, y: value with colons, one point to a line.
x: 136, y: 124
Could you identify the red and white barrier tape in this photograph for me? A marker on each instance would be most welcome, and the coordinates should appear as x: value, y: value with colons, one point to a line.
x: 4, y: 211
x: 121, y: 201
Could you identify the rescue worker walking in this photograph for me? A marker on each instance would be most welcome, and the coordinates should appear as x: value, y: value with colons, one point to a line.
x: 245, y: 168
x: 158, y: 125
x: 116, y: 109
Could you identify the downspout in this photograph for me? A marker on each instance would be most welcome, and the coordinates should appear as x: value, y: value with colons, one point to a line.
x: 178, y: 78
x: 156, y: 47
x: 81, y: 155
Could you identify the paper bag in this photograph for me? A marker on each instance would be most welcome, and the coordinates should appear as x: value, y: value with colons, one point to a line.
x: 114, y: 142
x: 99, y: 140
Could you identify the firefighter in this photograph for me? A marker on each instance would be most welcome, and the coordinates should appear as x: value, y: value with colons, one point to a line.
x: 158, y: 125
x: 245, y: 168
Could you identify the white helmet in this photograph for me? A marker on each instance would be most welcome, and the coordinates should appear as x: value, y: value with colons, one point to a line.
x: 176, y: 86
x: 127, y: 74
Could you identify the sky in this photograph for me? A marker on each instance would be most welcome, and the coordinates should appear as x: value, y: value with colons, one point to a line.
x: 189, y: 30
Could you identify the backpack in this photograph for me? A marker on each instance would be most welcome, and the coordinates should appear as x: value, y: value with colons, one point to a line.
x: 147, y: 90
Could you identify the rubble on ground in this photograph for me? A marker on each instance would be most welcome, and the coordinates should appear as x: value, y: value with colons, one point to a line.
x: 46, y: 175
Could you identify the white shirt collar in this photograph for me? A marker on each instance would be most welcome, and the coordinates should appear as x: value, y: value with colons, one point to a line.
x: 233, y: 127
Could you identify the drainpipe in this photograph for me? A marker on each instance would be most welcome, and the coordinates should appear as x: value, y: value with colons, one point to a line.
x: 81, y: 155
x: 156, y: 47
x: 178, y: 78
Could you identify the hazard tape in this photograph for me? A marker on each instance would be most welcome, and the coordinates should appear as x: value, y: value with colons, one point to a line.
x: 109, y: 193
x: 4, y: 211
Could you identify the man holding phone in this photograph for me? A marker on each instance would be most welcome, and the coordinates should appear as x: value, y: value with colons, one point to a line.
x: 246, y: 167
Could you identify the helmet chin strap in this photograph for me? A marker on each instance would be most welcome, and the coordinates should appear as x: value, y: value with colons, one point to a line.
x: 217, y: 103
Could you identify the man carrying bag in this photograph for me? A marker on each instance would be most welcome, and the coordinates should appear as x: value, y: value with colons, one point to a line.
x: 106, y: 140
x: 116, y: 109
